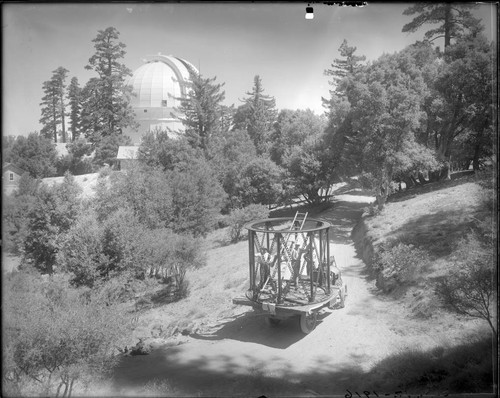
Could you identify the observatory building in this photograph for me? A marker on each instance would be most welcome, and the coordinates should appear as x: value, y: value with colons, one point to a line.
x: 157, y: 86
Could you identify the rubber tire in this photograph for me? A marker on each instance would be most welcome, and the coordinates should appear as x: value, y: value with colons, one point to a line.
x: 308, y: 322
x: 273, y: 322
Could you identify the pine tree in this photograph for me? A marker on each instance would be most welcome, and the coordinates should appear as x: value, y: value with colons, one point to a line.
x: 340, y: 137
x: 35, y: 154
x: 457, y: 84
x: 454, y: 20
x: 75, y: 104
x: 202, y: 110
x: 257, y: 116
x: 107, y: 103
x: 53, y: 105
x: 90, y: 120
x: 341, y: 68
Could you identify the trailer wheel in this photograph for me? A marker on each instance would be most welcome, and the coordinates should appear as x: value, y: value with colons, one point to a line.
x: 308, y: 322
x: 271, y: 321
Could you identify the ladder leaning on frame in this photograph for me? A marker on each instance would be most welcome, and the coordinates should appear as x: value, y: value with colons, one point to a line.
x: 297, y: 214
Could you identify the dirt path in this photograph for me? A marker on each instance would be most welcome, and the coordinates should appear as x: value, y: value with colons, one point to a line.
x: 243, y: 355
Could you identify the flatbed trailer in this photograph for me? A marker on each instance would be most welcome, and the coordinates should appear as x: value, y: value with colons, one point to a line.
x: 292, y: 273
x: 307, y: 313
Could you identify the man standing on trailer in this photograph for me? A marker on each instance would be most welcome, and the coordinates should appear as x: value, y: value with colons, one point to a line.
x: 265, y: 267
x: 296, y: 254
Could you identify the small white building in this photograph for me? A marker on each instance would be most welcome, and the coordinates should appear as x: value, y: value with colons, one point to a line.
x: 127, y: 156
x: 10, y: 177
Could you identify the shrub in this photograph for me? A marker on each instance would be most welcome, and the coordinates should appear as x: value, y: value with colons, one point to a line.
x: 239, y: 217
x: 470, y: 288
x: 54, y: 336
x: 258, y: 181
x: 145, y: 191
x: 398, y: 265
x: 35, y: 154
x: 81, y: 251
x: 54, y: 212
x: 197, y: 199
x: 16, y: 209
x: 124, y: 248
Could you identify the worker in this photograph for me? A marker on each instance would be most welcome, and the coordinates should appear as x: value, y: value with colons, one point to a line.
x: 296, y: 254
x: 265, y: 267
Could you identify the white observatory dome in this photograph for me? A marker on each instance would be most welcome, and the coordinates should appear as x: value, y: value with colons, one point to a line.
x: 156, y: 88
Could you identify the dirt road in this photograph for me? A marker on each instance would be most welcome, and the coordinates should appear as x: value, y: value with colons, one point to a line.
x: 241, y: 354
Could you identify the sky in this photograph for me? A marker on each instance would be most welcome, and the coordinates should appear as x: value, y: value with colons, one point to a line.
x: 232, y: 42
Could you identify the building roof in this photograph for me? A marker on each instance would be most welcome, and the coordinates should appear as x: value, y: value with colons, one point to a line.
x: 127, y: 152
x: 12, y: 167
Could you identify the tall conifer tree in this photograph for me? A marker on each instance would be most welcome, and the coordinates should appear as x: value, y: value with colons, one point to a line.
x: 74, y: 98
x: 257, y: 116
x: 202, y: 110
x: 107, y: 107
x: 53, y: 105
x: 453, y: 19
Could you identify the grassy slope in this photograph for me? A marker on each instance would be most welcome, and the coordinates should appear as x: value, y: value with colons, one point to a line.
x: 86, y: 181
x: 435, y: 221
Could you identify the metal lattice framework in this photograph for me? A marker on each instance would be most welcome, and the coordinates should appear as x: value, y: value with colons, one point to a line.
x: 289, y: 260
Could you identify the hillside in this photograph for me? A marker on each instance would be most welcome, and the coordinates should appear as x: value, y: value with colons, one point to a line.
x: 434, y: 221
x: 86, y: 181
x: 204, y: 345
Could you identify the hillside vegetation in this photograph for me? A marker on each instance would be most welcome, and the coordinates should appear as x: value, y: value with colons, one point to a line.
x: 432, y: 224
x: 435, y: 223
x: 412, y: 249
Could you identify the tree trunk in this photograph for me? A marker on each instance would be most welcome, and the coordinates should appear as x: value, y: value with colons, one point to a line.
x: 421, y: 178
x: 383, y: 190
x: 444, y: 173
x: 414, y: 180
x: 62, y: 118
x: 59, y: 389
x: 65, y: 388
x: 54, y: 116
x: 447, y: 25
x: 71, y: 387
x: 475, y: 159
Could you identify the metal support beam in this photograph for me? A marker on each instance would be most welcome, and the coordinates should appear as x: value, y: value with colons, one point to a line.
x: 328, y: 260
x: 251, y: 259
x: 278, y: 254
x: 311, y: 237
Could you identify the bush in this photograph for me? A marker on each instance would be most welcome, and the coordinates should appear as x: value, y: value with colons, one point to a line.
x: 16, y: 209
x: 197, y: 199
x: 52, y: 215
x: 259, y: 182
x: 146, y: 192
x: 398, y: 265
x: 124, y: 248
x: 470, y: 288
x: 239, y: 217
x: 81, y: 252
x: 55, y: 336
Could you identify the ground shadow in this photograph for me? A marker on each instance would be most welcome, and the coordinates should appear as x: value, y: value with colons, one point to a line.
x: 456, y: 179
x: 466, y: 368
x: 343, y: 216
x: 437, y: 232
x: 252, y: 327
